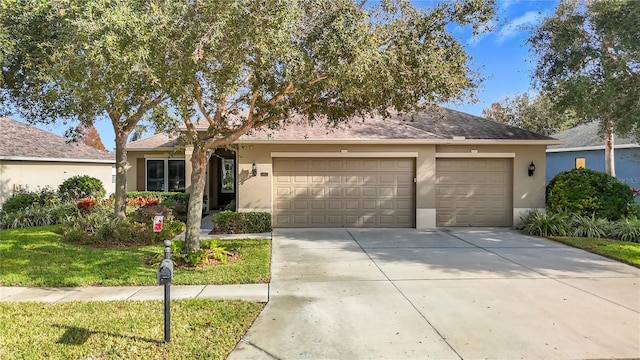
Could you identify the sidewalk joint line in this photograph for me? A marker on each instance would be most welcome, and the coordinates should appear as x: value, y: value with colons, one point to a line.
x: 405, y: 296
x: 448, y: 232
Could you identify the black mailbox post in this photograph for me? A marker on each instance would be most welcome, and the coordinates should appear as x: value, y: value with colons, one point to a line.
x: 165, y: 274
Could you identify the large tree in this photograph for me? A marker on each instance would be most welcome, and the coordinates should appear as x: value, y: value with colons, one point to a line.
x: 588, y: 60
x: 83, y: 61
x: 537, y: 114
x: 239, y: 65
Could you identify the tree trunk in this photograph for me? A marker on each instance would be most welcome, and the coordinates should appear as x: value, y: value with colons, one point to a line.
x: 609, y: 160
x: 120, y: 205
x: 199, y: 160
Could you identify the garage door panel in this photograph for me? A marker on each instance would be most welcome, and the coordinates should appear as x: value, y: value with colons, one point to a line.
x: 473, y: 192
x: 345, y: 192
x: 369, y: 191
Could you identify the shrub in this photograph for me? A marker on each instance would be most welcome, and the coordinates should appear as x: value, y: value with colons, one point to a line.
x: 590, y: 226
x: 242, y: 222
x: 626, y: 229
x: 587, y: 192
x: 231, y: 206
x: 210, y: 251
x: 86, y: 204
x: 20, y: 201
x: 80, y: 187
x: 146, y: 214
x: 38, y: 216
x: 177, y: 201
x: 545, y: 224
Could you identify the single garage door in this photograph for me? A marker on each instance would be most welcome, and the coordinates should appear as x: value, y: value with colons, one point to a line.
x: 474, y: 192
x: 343, y: 192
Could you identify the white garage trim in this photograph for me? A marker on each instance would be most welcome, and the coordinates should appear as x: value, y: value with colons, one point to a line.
x: 475, y: 155
x: 344, y: 154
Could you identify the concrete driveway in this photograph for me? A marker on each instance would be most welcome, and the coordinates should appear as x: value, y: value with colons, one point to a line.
x: 460, y: 293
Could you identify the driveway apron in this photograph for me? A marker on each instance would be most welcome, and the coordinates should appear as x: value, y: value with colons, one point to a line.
x: 457, y: 293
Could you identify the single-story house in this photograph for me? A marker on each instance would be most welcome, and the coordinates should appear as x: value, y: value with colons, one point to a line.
x: 423, y: 170
x: 584, y: 147
x: 32, y: 159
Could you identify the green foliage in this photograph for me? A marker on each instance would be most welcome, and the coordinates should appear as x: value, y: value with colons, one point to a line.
x: 38, y: 216
x: 146, y: 214
x: 210, y: 250
x: 176, y: 201
x: 590, y: 226
x: 229, y: 222
x: 80, y: 187
x: 626, y: 229
x: 589, y: 193
x: 22, y: 200
x: 545, y: 224
x: 537, y: 114
x: 231, y: 206
x: 97, y: 227
x: 549, y: 224
x: 588, y: 55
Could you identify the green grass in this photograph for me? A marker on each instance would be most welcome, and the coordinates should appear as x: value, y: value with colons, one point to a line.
x: 623, y: 251
x: 38, y: 257
x: 200, y: 329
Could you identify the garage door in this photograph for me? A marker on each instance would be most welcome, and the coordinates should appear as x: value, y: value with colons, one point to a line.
x: 474, y: 192
x: 343, y: 192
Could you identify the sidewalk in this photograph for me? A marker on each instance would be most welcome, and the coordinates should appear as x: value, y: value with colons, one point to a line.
x: 249, y: 292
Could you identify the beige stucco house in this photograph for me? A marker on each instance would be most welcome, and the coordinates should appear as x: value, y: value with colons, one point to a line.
x: 32, y: 159
x: 423, y: 170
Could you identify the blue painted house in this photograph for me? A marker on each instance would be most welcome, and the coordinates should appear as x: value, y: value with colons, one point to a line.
x: 585, y: 147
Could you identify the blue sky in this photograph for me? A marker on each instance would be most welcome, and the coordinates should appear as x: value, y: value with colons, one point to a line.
x: 502, y: 57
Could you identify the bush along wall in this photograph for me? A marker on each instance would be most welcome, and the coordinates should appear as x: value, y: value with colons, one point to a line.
x: 563, y: 224
x: 589, y: 193
x: 229, y: 222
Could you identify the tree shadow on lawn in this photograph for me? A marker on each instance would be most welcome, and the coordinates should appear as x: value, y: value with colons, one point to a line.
x: 74, y: 335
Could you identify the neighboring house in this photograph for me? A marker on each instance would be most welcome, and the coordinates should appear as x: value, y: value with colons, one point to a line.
x: 31, y: 159
x: 420, y: 170
x: 584, y: 147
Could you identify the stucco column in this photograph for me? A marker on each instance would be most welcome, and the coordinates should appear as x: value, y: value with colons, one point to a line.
x: 188, y: 169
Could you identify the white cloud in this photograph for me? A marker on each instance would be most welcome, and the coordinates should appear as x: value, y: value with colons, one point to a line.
x: 507, y: 3
x: 474, y: 40
x: 517, y: 25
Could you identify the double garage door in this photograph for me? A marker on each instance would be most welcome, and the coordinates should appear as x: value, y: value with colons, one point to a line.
x: 349, y: 192
x: 474, y: 192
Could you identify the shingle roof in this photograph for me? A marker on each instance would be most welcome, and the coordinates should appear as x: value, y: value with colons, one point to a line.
x: 421, y: 125
x: 19, y: 141
x: 586, y: 135
x: 154, y: 142
x: 443, y: 124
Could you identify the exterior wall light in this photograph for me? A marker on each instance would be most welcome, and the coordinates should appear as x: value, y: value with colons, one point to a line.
x: 254, y: 169
x: 532, y: 168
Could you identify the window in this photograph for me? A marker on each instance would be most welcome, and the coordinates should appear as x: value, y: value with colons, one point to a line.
x: 165, y: 175
x: 227, y: 185
x: 581, y: 163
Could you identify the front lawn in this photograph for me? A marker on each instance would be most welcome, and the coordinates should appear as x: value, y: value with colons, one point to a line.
x: 37, y: 256
x: 200, y: 329
x: 623, y: 251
